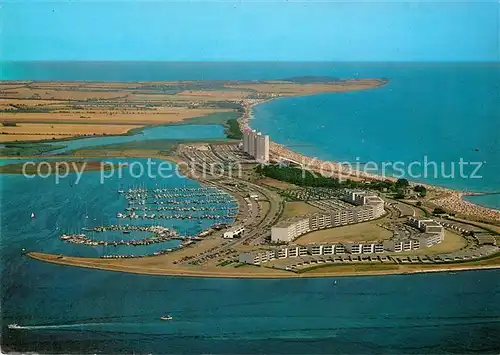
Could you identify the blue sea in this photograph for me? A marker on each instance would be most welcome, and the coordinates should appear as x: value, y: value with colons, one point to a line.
x: 70, y: 310
x: 429, y: 114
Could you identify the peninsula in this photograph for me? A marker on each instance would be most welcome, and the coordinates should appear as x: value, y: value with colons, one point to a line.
x: 284, y: 225
x: 36, y: 111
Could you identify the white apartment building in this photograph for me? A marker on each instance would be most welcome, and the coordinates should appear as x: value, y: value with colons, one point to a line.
x: 257, y: 257
x: 294, y: 251
x: 262, y: 148
x: 320, y: 221
x: 256, y: 145
x: 355, y: 197
x: 377, y: 204
x: 234, y: 232
x: 368, y: 199
x: 288, y: 230
x: 399, y: 245
x: 425, y: 225
x: 251, y: 142
x: 430, y: 239
x: 246, y: 141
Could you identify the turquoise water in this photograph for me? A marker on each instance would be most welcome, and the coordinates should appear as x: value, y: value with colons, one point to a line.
x: 69, y: 206
x: 442, y: 113
x: 71, y: 310
x: 172, y: 132
x: 491, y: 201
x: 445, y: 111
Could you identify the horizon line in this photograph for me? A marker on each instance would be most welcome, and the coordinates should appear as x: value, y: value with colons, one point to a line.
x: 246, y: 61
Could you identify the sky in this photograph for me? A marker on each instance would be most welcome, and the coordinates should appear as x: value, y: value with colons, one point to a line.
x: 369, y: 30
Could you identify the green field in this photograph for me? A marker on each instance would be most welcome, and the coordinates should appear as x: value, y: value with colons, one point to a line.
x: 27, y: 149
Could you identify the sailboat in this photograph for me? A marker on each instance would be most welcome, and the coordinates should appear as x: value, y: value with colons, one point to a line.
x: 33, y: 215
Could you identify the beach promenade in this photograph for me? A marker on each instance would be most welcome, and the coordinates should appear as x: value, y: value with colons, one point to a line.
x: 451, y: 201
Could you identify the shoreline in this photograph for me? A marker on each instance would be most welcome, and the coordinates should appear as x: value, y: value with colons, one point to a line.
x: 453, y: 201
x: 92, y: 263
x: 166, y: 268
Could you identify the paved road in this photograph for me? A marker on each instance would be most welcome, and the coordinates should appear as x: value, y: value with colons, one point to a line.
x: 249, y: 217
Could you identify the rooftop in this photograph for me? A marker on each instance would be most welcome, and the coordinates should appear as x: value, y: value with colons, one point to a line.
x: 431, y: 223
x: 288, y: 222
x: 372, y: 199
x: 235, y: 228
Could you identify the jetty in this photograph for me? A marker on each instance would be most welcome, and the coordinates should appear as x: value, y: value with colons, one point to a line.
x: 160, y: 234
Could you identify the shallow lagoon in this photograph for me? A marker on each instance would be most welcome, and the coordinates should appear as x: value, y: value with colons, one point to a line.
x: 171, y: 132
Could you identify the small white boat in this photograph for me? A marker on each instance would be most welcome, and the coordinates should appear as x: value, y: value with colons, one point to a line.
x: 14, y: 326
x: 33, y: 215
x: 167, y: 317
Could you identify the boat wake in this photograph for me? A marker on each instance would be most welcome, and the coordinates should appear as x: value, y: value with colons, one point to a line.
x: 58, y: 326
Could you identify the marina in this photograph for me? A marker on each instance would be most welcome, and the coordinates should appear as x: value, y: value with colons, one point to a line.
x: 180, y: 202
x: 133, y: 215
x: 190, y: 204
x: 199, y: 212
x: 160, y: 234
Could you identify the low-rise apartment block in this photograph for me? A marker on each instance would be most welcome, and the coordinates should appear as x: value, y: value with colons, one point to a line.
x: 425, y: 225
x: 433, y: 232
x: 288, y: 230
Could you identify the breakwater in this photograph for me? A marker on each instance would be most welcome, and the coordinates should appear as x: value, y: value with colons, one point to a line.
x: 134, y: 215
x: 160, y: 234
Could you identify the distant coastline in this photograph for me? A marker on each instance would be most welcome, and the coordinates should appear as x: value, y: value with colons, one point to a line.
x: 453, y: 201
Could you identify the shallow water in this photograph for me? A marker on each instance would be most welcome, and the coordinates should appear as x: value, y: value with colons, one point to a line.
x: 69, y: 206
x: 172, y: 132
x: 431, y: 115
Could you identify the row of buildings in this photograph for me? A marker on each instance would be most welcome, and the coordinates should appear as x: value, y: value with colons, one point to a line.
x: 432, y: 233
x: 256, y: 145
x: 365, y: 207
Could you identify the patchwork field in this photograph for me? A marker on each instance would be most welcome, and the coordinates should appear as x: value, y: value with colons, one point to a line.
x: 37, y: 131
x: 32, y: 111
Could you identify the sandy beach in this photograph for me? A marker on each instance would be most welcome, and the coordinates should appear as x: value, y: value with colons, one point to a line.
x: 452, y: 201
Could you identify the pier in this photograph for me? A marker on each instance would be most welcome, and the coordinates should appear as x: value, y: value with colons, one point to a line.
x: 160, y: 234
x: 134, y: 215
x: 187, y: 201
